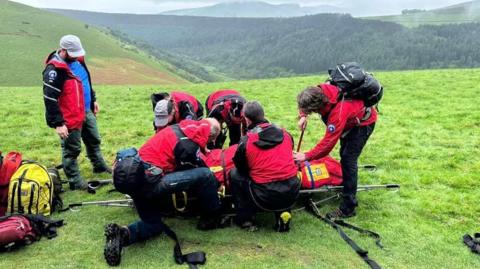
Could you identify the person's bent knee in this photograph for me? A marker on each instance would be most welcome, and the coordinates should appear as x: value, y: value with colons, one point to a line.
x: 205, y: 175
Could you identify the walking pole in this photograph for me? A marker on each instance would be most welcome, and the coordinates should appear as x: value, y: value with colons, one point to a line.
x: 301, y: 137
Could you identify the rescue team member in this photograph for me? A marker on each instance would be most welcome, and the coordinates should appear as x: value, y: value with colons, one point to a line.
x: 265, y: 176
x: 226, y: 106
x: 169, y: 163
x: 71, y: 107
x: 346, y: 120
x: 174, y: 107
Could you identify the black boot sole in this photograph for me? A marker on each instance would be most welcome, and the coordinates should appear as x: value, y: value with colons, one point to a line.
x: 113, y: 245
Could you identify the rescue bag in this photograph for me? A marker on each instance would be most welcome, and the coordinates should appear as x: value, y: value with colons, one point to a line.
x: 220, y: 162
x: 10, y: 164
x: 317, y: 173
x: 31, y: 190
x: 355, y: 83
x: 20, y: 230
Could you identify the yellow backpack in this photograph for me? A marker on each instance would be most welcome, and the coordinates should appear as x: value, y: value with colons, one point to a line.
x: 30, y: 190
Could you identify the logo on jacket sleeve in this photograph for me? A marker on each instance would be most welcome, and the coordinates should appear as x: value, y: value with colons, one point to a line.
x: 52, y: 75
x: 331, y: 128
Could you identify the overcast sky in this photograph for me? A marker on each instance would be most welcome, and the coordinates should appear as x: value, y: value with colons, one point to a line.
x: 156, y: 6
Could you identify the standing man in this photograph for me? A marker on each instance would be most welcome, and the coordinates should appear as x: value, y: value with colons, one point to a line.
x: 70, y: 108
x: 348, y: 121
x: 226, y: 106
x: 265, y: 177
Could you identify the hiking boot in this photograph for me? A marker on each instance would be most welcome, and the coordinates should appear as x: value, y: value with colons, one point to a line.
x: 282, y: 222
x: 339, y: 214
x: 78, y: 185
x: 105, y: 169
x: 116, y: 238
x: 211, y: 223
x: 248, y: 225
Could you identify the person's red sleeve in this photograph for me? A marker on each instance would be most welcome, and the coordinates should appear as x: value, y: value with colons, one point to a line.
x: 335, y: 126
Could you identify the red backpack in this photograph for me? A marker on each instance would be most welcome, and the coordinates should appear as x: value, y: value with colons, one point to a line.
x: 321, y: 172
x: 19, y: 230
x: 16, y: 230
x: 10, y: 164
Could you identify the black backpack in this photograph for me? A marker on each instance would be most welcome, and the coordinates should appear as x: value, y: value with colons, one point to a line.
x: 355, y: 83
x: 128, y: 171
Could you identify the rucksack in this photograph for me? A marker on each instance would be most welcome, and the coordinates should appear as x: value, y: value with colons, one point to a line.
x: 19, y: 230
x: 355, y: 83
x: 14, y: 231
x: 31, y: 190
x: 10, y: 164
x: 128, y: 171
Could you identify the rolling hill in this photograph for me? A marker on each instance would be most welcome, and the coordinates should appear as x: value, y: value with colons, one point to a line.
x: 460, y: 13
x: 28, y: 34
x: 246, y: 48
x: 255, y: 9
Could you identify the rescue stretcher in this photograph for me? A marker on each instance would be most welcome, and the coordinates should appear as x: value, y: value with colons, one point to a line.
x: 181, y: 201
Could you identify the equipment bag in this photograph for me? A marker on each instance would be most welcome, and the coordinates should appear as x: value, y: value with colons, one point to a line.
x: 128, y: 171
x: 319, y: 173
x: 14, y: 231
x: 31, y: 190
x: 355, y: 83
x: 18, y: 230
x: 10, y: 164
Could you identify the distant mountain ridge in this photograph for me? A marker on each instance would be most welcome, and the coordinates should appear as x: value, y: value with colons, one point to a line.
x: 255, y: 9
x: 458, y: 13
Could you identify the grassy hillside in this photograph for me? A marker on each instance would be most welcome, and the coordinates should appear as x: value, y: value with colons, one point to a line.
x: 460, y: 13
x: 246, y: 48
x: 427, y: 139
x: 28, y: 35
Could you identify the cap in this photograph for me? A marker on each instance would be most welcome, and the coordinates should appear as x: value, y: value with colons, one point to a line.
x: 161, y: 113
x: 73, y: 45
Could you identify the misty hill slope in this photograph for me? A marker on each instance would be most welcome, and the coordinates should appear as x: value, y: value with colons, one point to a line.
x: 28, y: 35
x: 255, y: 9
x: 460, y: 13
x: 245, y: 48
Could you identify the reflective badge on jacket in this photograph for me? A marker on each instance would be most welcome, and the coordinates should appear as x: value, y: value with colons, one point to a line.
x: 331, y: 128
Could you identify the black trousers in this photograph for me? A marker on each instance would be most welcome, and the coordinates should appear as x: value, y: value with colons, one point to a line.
x: 249, y: 197
x: 351, y: 147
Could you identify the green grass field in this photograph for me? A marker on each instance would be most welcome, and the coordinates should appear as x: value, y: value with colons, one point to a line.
x: 427, y: 139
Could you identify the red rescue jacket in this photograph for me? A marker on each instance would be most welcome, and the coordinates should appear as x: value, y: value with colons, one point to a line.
x: 339, y: 116
x: 166, y: 151
x: 225, y: 106
x: 63, y: 93
x: 266, y: 154
x: 186, y: 106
